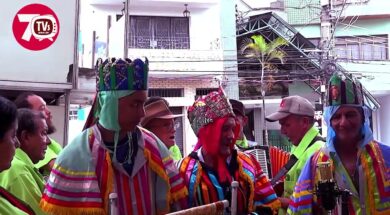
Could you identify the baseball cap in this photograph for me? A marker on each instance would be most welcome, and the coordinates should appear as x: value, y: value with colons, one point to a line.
x: 157, y: 110
x: 238, y: 107
x: 292, y: 105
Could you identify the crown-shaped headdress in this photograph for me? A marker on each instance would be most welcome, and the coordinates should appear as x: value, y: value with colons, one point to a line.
x: 208, y: 108
x: 118, y: 74
x: 344, y: 91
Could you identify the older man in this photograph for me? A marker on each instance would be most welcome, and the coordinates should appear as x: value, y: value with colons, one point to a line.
x: 35, y: 102
x: 161, y: 121
x: 353, y: 167
x: 239, y: 111
x: 210, y: 170
x: 296, y: 119
x: 9, y: 204
x: 23, y: 179
x: 115, y: 157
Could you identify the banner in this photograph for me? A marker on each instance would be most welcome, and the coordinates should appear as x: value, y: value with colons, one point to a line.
x: 37, y: 40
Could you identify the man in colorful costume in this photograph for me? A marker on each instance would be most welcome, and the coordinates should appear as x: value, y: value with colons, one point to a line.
x: 214, y: 164
x: 357, y: 164
x: 114, y: 155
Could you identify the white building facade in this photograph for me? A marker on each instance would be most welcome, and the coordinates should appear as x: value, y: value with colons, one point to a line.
x: 188, y: 55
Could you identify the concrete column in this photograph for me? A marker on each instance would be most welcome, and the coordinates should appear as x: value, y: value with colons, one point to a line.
x: 229, y: 47
x: 258, y: 125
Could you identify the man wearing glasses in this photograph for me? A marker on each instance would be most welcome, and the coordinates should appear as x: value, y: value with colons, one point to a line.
x: 160, y: 120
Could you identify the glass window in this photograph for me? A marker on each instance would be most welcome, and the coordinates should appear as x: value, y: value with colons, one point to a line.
x: 362, y: 47
x: 159, y: 32
x: 367, y: 51
x: 166, y: 92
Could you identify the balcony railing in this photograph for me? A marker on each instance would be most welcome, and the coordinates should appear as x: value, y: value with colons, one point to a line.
x: 145, y: 42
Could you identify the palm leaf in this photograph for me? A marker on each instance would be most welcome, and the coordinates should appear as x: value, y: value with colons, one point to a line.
x: 251, y: 50
x: 260, y: 43
x: 277, y: 55
x: 264, y: 52
x: 275, y: 44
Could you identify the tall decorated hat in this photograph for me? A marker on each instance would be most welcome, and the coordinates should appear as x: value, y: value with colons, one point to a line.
x: 208, y: 108
x: 344, y: 91
x: 121, y: 74
x: 115, y: 78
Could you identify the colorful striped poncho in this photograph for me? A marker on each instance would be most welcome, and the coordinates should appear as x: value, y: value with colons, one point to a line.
x: 83, y: 177
x: 204, y: 187
x: 373, y: 196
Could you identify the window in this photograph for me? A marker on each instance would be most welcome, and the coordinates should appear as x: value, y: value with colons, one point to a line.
x: 73, y: 115
x: 362, y: 47
x: 204, y: 91
x: 179, y: 137
x: 159, y: 32
x: 341, y: 2
x: 163, y: 92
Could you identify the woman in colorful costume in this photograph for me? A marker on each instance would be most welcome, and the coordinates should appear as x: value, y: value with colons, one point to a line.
x: 114, y: 155
x: 357, y: 164
x: 214, y: 164
x: 9, y: 204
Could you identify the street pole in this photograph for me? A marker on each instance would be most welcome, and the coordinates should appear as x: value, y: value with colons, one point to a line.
x: 93, y: 49
x: 327, y: 31
x: 126, y: 36
x: 327, y: 59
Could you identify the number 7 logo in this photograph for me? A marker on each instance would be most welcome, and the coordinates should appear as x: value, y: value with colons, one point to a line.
x: 33, y: 24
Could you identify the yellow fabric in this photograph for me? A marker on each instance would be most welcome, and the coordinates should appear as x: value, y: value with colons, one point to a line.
x: 110, y: 182
x: 243, y: 143
x: 8, y: 208
x: 56, y: 209
x: 24, y: 181
x: 175, y: 152
x: 303, y: 153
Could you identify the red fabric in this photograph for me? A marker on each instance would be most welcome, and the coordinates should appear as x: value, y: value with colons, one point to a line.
x: 16, y: 202
x: 209, y: 137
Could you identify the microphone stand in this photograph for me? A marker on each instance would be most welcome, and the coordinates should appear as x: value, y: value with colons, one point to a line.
x: 330, y: 194
x: 344, y: 202
x: 327, y: 190
x: 113, y: 204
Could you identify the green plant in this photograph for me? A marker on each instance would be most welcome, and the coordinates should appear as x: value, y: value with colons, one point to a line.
x: 266, y: 54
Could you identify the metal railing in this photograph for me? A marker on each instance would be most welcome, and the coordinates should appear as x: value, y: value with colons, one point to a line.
x: 147, y: 42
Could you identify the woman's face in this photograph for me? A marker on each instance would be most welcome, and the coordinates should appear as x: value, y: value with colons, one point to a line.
x: 347, y: 123
x: 7, y: 147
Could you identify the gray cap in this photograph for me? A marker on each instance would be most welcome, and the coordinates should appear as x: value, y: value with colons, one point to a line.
x: 292, y: 105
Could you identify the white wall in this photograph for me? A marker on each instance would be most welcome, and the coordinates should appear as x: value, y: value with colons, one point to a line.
x: 58, y: 113
x: 205, y: 28
x: 384, y: 122
x: 76, y: 126
x: 204, y: 25
x: 117, y: 39
x: 371, y: 7
x: 47, y: 65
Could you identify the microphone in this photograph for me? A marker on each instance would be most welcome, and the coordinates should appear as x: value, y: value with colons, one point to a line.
x: 326, y: 188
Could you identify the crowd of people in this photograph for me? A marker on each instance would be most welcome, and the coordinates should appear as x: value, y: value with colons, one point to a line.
x: 126, y: 161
